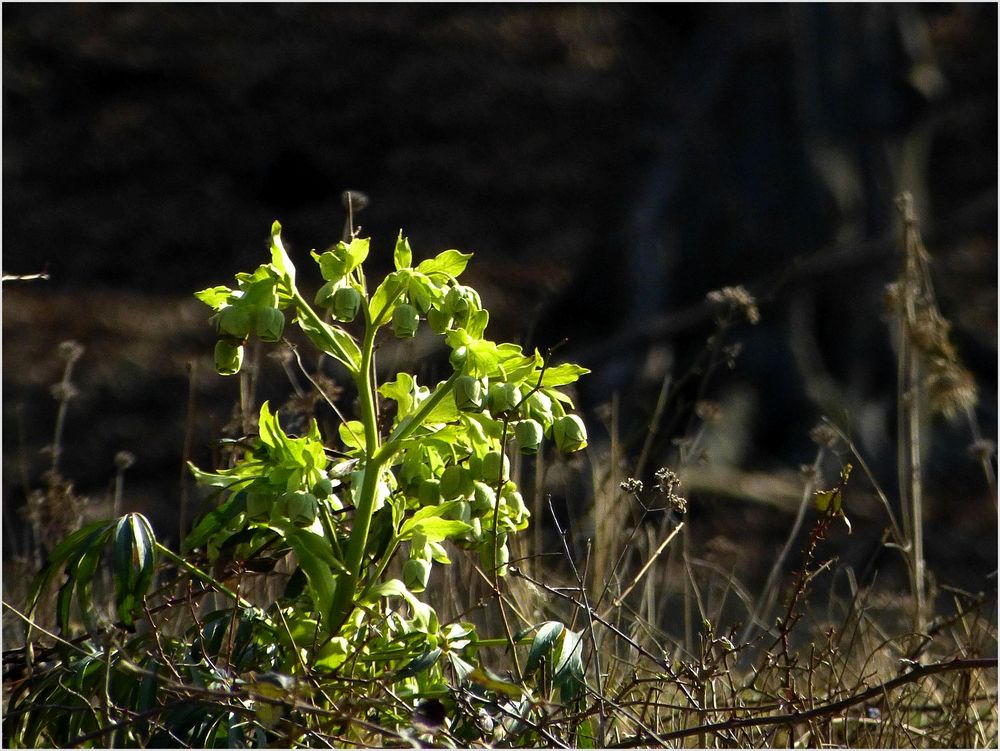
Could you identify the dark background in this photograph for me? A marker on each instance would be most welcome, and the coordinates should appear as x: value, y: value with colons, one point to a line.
x: 609, y: 165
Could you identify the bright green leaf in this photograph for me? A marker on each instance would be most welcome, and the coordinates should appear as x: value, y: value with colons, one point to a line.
x: 402, y: 256
x: 560, y: 375
x: 384, y: 298
x: 214, y: 297
x: 279, y: 258
x: 449, y: 263
x: 352, y: 433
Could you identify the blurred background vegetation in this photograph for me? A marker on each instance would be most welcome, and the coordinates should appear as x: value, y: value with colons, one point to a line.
x: 608, y: 164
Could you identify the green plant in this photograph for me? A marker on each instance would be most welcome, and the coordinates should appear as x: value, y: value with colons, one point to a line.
x: 390, y: 495
x: 433, y: 430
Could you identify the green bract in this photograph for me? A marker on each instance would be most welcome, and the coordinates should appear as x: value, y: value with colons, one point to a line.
x: 569, y: 433
x: 259, y: 504
x: 483, y: 499
x: 528, y: 434
x: 270, y: 324
x: 496, y: 467
x: 235, y: 321
x: 469, y: 396
x: 324, y: 295
x: 458, y: 356
x: 456, y: 482
x: 502, y: 397
x: 539, y: 407
x: 461, y: 301
x: 301, y: 508
x: 416, y: 572
x: 323, y: 488
x: 345, y: 304
x: 494, y: 555
x: 430, y: 492
x: 405, y: 320
x: 228, y: 357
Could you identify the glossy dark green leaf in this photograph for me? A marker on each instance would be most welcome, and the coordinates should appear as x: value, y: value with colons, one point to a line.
x: 418, y: 664
x: 134, y: 564
x: 567, y: 673
x: 541, y: 645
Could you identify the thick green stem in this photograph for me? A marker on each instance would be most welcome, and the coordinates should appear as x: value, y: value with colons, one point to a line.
x: 343, y: 600
x: 343, y: 597
x: 414, y: 421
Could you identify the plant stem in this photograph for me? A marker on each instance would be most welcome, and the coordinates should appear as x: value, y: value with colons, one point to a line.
x: 207, y: 578
x: 376, y: 457
x: 908, y: 405
x: 306, y: 312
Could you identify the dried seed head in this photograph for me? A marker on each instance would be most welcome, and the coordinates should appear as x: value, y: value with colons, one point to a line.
x: 124, y: 460
x: 930, y: 334
x: 631, y: 485
x: 70, y: 350
x: 667, y: 483
x: 823, y: 435
x: 950, y: 388
x: 354, y: 200
x: 736, y: 298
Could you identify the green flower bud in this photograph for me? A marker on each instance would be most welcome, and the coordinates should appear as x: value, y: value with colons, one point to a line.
x: 228, y: 357
x: 345, y: 304
x: 234, y: 321
x: 569, y: 433
x: 456, y: 482
x: 324, y: 296
x: 259, y: 504
x: 301, y: 508
x: 438, y: 320
x: 270, y: 324
x: 416, y: 572
x: 469, y: 395
x: 405, y: 320
x: 456, y: 303
x: 476, y: 532
x: 430, y: 492
x: 538, y: 407
x: 461, y: 301
x: 494, y: 555
x: 483, y: 499
x: 514, y: 501
x: 462, y: 511
x: 496, y: 466
x: 457, y: 357
x: 323, y: 488
x: 528, y: 434
x: 502, y: 398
